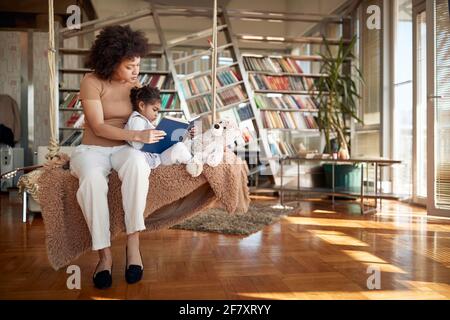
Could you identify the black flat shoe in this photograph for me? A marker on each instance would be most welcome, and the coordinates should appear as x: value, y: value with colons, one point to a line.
x: 102, y: 279
x: 133, y: 273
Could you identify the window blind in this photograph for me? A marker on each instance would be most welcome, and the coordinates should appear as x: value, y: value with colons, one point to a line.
x: 442, y: 105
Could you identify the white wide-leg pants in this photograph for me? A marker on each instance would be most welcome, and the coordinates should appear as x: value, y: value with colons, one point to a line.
x: 92, y: 166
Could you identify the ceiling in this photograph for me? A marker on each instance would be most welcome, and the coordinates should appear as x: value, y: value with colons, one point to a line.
x: 34, y: 14
x: 176, y: 26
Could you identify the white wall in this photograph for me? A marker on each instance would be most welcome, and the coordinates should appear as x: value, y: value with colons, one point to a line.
x: 31, y: 94
x: 10, y: 64
x: 41, y: 90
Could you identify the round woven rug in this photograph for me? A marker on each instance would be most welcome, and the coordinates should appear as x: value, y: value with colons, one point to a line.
x: 220, y: 221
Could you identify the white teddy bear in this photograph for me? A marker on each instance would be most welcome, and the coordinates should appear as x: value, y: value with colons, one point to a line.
x: 208, y: 148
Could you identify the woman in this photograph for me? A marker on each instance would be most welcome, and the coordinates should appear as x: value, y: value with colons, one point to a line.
x: 105, y: 97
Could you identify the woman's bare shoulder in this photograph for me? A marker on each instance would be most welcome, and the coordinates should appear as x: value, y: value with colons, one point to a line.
x: 91, y: 77
x: 91, y: 86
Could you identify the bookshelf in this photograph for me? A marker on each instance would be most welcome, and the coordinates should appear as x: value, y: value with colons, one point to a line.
x: 283, y: 95
x: 70, y: 112
x: 276, y: 90
x: 233, y: 100
x: 283, y: 88
x: 71, y: 118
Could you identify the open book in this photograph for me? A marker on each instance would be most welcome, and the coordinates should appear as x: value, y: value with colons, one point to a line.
x: 175, y: 129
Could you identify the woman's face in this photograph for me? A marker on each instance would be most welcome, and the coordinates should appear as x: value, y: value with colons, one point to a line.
x: 128, y: 70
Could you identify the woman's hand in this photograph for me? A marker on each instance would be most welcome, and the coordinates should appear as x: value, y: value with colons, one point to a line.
x: 150, y: 136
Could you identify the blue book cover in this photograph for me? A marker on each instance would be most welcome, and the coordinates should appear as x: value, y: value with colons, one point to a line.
x: 175, y: 129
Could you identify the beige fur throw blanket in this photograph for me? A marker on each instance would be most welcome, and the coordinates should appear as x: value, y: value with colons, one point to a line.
x: 173, y: 197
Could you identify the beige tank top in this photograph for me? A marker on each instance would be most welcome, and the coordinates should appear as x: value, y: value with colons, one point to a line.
x: 115, y: 98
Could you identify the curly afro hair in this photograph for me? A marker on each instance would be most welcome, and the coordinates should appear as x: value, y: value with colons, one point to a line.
x: 112, y: 46
x: 146, y: 94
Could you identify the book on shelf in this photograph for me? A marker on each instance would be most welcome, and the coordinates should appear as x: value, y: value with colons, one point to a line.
x: 77, y: 139
x: 79, y: 123
x: 273, y: 64
x: 238, y: 114
x: 73, y: 139
x: 224, y: 98
x: 245, y: 112
x: 71, y: 100
x: 249, y: 133
x: 169, y: 101
x: 200, y: 104
x: 160, y: 81
x: 287, y: 120
x: 287, y: 148
x: 232, y: 95
x: 285, y: 102
x: 202, y: 84
x: 228, y: 77
x: 282, y: 148
x: 72, y: 119
x: 278, y: 83
x: 278, y: 65
x: 76, y: 120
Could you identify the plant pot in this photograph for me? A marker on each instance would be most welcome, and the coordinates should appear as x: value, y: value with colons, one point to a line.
x: 347, y: 177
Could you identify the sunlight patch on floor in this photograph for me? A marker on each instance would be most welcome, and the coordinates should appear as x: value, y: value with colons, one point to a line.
x: 323, y: 211
x: 367, y: 224
x: 369, y: 259
x: 103, y: 298
x: 338, y: 238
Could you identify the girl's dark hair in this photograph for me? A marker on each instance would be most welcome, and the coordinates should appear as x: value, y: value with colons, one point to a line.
x: 146, y: 94
x: 112, y: 45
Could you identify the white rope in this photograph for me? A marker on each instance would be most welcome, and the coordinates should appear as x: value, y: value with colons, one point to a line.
x: 214, y: 63
x: 53, y: 147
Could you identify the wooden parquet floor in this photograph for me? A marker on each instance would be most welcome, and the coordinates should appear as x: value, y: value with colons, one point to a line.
x: 316, y: 252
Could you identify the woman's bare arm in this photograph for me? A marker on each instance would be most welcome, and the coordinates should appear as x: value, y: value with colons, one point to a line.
x: 93, y: 111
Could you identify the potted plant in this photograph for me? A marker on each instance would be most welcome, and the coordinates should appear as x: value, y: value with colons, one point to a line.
x: 337, y: 97
x: 337, y: 94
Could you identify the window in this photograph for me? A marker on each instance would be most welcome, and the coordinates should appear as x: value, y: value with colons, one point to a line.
x: 370, y: 63
x: 403, y: 101
x: 442, y: 107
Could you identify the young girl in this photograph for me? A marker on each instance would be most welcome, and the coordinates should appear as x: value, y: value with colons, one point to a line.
x: 146, y: 103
